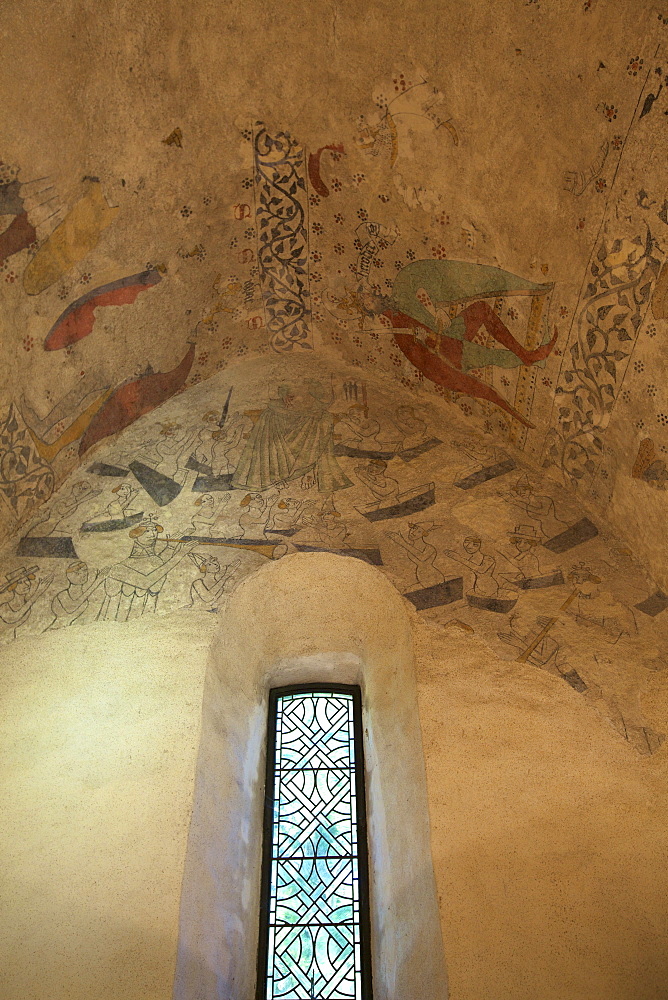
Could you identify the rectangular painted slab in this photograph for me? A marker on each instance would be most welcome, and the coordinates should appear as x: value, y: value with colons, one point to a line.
x: 410, y: 453
x: 438, y: 595
x: 484, y: 475
x: 582, y: 531
x: 653, y: 605
x: 48, y: 547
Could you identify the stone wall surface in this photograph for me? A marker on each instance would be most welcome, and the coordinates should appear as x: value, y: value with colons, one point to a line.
x: 388, y: 283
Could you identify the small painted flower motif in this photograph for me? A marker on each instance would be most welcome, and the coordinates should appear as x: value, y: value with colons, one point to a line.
x: 338, y: 218
x: 362, y: 214
x: 226, y: 342
x: 439, y: 252
x: 316, y: 255
x: 186, y: 211
x: 651, y: 330
x: 234, y: 242
x: 410, y: 254
x: 336, y: 156
x: 85, y: 278
x: 318, y: 228
x: 443, y: 219
x: 547, y: 382
x: 359, y: 178
x: 11, y: 277
x: 249, y: 234
x: 336, y: 184
x: 512, y: 312
x: 638, y: 367
x: 339, y: 249
x: 316, y: 276
x: 203, y: 358
x: 357, y: 341
x: 207, y: 199
x: 610, y: 112
x: 505, y: 380
x: 378, y: 262
x: 640, y: 424
x: 626, y: 395
x: 563, y: 311
x: 353, y: 268
x: 601, y: 184
x: 357, y: 243
x: 384, y: 198
x: 389, y: 283
x: 651, y: 390
x: 28, y: 343
x: 314, y: 200
x: 617, y: 142
x: 634, y: 66
x: 662, y: 418
x: 241, y: 350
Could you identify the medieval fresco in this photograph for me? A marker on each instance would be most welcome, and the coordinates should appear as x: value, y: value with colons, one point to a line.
x: 183, y: 504
x: 398, y: 326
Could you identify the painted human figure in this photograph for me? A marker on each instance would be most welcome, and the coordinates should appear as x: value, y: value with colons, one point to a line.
x: 410, y: 426
x: 540, y: 509
x: 481, y: 564
x: 357, y: 430
x: 596, y: 610
x: 207, y: 590
x: 120, y: 506
x: 372, y: 475
x: 254, y: 515
x: 229, y: 442
x: 71, y: 603
x: 420, y: 552
x: 327, y: 529
x: 524, y: 540
x: 204, y: 517
x: 133, y: 586
x: 51, y: 521
x: 444, y: 348
x: 23, y: 588
x: 293, y: 439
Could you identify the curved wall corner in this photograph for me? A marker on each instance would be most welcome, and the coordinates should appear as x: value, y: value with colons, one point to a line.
x: 307, y: 618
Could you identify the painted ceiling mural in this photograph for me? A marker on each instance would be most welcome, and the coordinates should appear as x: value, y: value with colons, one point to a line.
x: 456, y: 285
x: 176, y: 509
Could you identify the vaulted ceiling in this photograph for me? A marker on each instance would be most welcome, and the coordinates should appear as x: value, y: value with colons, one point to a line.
x: 464, y: 200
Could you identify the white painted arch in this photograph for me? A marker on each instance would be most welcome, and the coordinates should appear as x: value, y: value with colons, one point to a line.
x: 306, y: 618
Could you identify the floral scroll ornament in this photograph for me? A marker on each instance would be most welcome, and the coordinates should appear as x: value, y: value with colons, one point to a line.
x: 26, y: 480
x: 280, y: 188
x: 621, y: 277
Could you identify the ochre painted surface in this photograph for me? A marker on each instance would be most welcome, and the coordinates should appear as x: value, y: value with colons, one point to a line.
x: 411, y: 308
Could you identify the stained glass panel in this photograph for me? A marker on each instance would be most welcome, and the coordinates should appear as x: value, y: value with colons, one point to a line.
x: 314, y: 927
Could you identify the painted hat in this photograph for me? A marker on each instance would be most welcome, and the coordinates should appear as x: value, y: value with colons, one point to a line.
x: 17, y: 575
x: 526, y: 531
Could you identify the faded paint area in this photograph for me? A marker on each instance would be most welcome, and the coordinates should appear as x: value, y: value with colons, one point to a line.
x: 388, y: 284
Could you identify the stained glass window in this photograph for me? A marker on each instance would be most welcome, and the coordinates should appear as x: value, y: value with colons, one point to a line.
x: 314, y: 921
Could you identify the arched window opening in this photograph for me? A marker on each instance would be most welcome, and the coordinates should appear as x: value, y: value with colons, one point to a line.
x: 314, y: 938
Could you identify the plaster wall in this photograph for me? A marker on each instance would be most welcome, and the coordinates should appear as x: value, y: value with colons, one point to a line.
x: 99, y: 738
x: 548, y: 834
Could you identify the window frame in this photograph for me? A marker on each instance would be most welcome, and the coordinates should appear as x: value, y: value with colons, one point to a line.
x: 355, y: 692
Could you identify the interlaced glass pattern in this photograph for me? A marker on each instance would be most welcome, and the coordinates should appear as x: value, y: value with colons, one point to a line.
x: 313, y: 939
